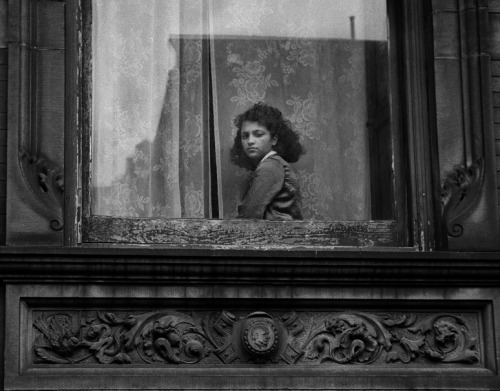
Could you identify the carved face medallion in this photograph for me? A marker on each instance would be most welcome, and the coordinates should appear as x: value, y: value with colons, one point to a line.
x: 260, y: 336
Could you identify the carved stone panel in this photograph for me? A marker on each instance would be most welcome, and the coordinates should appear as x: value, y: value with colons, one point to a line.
x: 281, y: 338
x: 248, y: 337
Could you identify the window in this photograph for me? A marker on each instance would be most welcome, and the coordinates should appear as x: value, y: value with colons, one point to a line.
x: 169, y: 76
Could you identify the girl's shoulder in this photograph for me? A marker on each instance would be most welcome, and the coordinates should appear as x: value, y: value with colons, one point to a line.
x: 277, y: 159
x: 273, y: 162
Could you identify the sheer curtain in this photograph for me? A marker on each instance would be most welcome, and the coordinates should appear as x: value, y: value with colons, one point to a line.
x: 148, y: 141
x: 159, y: 65
x: 292, y: 55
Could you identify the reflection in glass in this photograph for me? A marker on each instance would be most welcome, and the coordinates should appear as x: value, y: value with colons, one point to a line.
x: 169, y: 77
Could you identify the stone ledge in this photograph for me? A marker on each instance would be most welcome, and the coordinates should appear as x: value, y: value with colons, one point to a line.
x: 205, y: 266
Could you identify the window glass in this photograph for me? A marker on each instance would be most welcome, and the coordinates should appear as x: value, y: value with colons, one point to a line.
x: 169, y: 77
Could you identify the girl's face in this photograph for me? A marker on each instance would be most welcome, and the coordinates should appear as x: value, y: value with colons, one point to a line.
x: 256, y: 140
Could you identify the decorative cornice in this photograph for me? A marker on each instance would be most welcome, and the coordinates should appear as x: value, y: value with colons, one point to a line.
x: 460, y: 193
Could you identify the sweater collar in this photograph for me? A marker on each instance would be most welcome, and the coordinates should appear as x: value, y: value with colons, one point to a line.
x: 270, y: 153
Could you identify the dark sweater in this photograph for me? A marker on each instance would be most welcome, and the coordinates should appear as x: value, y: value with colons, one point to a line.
x: 273, y: 194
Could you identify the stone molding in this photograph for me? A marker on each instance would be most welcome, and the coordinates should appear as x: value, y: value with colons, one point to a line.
x: 246, y: 266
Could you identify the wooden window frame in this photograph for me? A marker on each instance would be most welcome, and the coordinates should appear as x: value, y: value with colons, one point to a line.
x: 57, y: 212
x: 437, y: 207
x: 414, y: 199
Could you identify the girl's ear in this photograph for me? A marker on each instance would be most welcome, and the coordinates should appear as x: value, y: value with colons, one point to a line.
x: 274, y: 140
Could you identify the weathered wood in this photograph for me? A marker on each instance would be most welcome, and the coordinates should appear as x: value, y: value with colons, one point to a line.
x: 86, y: 110
x: 422, y: 153
x: 240, y: 233
x: 401, y: 212
x: 73, y: 125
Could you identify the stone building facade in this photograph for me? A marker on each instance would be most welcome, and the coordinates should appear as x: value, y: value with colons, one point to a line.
x: 409, y: 304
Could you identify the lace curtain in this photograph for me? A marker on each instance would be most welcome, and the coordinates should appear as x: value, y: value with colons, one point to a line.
x: 148, y: 141
x: 169, y: 78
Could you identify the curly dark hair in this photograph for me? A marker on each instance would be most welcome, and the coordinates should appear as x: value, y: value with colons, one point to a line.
x: 288, y: 145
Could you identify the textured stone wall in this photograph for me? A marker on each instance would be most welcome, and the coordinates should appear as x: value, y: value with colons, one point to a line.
x: 3, y: 115
x: 495, y: 82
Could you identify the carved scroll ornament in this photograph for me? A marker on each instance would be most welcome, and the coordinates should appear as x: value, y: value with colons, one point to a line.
x: 460, y: 192
x: 294, y: 338
x: 46, y: 182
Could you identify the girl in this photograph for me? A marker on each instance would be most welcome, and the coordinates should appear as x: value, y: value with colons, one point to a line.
x: 265, y: 143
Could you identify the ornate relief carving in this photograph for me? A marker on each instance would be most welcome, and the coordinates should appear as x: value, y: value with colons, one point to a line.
x: 295, y: 338
x: 460, y: 192
x: 45, y: 180
x: 260, y: 334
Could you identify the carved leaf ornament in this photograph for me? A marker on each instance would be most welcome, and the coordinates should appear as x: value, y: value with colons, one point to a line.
x: 46, y: 181
x: 459, y: 193
x: 293, y: 338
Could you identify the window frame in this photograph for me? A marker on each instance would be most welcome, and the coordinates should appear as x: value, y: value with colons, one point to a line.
x: 414, y: 220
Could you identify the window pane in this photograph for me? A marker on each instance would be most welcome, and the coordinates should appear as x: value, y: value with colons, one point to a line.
x: 148, y: 140
x: 170, y: 76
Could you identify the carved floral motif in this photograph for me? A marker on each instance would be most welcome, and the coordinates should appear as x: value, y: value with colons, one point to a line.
x: 293, y: 338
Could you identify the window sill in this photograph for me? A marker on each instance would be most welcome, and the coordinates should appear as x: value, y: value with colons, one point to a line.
x: 125, y: 251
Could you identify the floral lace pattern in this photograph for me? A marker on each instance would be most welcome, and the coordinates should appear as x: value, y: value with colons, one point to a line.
x: 320, y: 85
x: 148, y: 110
x: 150, y: 125
x: 251, y: 83
x: 246, y: 16
x: 305, y: 113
